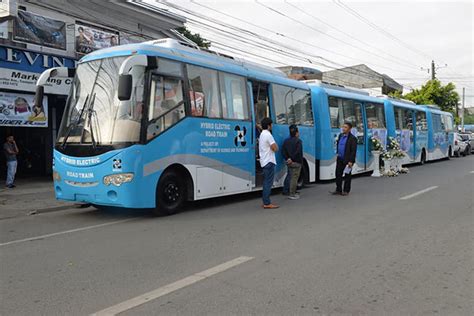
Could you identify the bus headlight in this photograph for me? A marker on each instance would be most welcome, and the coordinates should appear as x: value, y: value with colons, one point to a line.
x: 118, y: 179
x: 56, y: 176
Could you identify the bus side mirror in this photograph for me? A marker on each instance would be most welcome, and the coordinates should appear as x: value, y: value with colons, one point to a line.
x: 39, y: 95
x: 125, y: 87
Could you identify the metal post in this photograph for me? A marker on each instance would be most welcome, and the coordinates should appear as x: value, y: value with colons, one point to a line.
x: 433, y: 70
x: 462, y: 109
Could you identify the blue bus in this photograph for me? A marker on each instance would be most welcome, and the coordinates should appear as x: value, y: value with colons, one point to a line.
x: 156, y: 124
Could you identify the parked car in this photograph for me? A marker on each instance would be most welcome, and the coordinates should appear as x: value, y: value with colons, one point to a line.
x: 467, y: 139
x: 459, y: 146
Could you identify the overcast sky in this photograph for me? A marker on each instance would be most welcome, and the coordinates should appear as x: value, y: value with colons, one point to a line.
x: 418, y: 31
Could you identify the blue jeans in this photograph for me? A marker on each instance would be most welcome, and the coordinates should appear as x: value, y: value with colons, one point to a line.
x: 268, y: 176
x: 11, y: 170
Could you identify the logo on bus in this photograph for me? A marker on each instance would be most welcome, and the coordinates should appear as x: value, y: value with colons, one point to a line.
x: 240, y: 136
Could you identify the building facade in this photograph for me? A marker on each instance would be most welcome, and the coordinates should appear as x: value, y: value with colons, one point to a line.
x: 39, y: 34
x: 362, y: 77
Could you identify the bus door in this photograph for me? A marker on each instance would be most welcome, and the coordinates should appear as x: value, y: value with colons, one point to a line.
x: 260, y: 101
x: 412, y: 130
x: 375, y: 118
x: 358, y: 130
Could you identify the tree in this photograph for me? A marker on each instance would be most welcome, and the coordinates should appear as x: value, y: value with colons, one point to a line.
x: 195, y: 37
x: 433, y: 92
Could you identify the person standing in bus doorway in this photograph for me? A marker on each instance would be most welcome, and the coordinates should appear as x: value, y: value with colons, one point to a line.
x: 11, y: 151
x: 346, y: 156
x: 267, y: 148
x: 292, y: 151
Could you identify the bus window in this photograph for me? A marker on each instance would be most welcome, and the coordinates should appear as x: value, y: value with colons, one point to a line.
x: 302, y: 108
x: 403, y: 118
x: 349, y: 112
x: 204, y: 92
x: 281, y: 97
x: 166, y: 105
x: 292, y: 106
x: 375, y: 115
x: 448, y: 123
x: 261, y: 102
x: 234, y: 97
x: 421, y: 124
x: 334, y: 112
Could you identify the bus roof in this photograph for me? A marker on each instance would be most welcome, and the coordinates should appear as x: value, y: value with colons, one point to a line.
x: 344, y: 92
x: 184, y: 52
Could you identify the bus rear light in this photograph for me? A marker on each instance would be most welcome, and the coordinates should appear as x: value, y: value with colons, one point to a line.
x: 118, y: 179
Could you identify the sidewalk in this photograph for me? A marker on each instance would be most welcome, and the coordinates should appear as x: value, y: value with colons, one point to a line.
x: 30, y: 197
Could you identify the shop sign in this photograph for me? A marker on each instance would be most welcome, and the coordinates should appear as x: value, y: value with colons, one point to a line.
x: 20, y: 69
x: 19, y: 110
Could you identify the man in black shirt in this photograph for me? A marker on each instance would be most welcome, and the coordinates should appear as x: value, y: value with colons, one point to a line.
x: 293, y: 153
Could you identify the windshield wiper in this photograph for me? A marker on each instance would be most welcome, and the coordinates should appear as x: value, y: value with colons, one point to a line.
x: 75, y: 123
x: 90, y: 113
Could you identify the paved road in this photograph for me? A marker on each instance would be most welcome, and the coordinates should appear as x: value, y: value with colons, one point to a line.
x: 367, y: 254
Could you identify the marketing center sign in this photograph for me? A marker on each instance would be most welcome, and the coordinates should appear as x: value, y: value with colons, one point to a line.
x: 20, y: 69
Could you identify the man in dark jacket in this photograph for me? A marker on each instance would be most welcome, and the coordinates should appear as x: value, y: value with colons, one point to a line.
x: 346, y: 156
x: 292, y: 151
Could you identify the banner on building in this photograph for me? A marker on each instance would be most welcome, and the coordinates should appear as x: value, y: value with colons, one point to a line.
x: 91, y: 38
x: 126, y: 38
x: 39, y: 30
x: 20, y: 69
x: 18, y: 110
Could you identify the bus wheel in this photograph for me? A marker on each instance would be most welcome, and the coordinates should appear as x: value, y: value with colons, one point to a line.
x: 423, y: 157
x: 170, y: 194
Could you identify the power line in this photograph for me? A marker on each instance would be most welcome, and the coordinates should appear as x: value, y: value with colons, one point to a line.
x: 378, y: 28
x: 237, y: 29
x: 286, y: 15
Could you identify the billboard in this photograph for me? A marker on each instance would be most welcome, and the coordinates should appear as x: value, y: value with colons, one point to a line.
x: 40, y: 30
x: 91, y: 38
x: 18, y: 110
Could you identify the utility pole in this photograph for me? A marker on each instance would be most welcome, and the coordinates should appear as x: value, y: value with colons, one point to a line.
x: 433, y: 70
x: 462, y: 109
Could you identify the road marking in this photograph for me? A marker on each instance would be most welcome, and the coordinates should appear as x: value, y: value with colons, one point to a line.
x: 471, y: 171
x: 406, y: 197
x: 172, y: 287
x: 65, y: 232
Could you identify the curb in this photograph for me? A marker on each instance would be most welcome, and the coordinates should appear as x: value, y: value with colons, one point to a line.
x: 46, y: 210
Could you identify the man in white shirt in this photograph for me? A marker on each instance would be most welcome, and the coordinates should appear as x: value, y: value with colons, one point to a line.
x: 267, y: 148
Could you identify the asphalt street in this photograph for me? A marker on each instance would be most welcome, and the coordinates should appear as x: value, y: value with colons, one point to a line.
x: 395, y: 246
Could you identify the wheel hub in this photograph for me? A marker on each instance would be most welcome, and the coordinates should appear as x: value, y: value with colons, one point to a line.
x: 172, y: 192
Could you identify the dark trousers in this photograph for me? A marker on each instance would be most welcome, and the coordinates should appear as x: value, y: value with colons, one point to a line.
x: 341, y: 177
x: 268, y: 176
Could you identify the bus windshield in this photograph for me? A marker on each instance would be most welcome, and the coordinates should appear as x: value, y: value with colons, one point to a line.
x: 94, y: 115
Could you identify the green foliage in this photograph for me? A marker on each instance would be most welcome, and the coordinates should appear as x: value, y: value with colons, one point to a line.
x: 433, y: 92
x: 468, y: 118
x: 195, y: 37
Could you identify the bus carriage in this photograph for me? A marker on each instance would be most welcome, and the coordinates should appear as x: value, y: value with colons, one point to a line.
x: 152, y: 125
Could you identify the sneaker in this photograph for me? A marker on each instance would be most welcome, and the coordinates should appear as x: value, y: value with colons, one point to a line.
x: 11, y: 186
x: 335, y: 192
x: 270, y: 206
x: 285, y: 193
x: 345, y: 193
x: 294, y: 197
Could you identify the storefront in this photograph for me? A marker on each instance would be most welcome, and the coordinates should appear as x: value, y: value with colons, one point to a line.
x: 33, y: 126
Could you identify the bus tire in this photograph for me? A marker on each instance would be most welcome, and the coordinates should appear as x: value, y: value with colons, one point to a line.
x: 170, y: 194
x: 423, y: 157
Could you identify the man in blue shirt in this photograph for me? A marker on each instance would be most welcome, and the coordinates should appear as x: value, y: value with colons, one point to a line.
x: 346, y: 156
